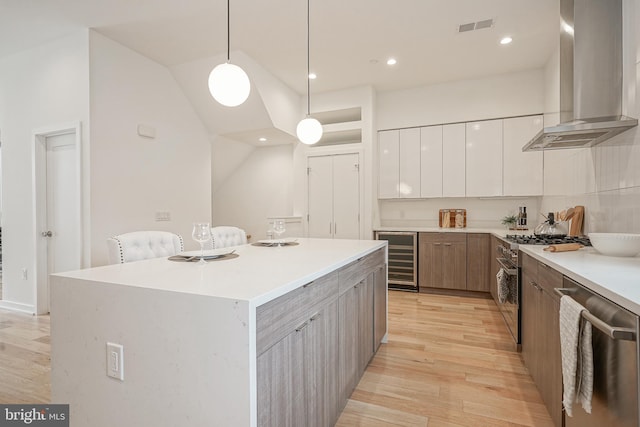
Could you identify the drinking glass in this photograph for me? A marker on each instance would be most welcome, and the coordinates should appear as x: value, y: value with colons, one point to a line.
x: 279, y: 229
x: 201, y: 234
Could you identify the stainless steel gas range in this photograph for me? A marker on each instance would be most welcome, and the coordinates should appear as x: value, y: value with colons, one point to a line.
x: 509, y: 288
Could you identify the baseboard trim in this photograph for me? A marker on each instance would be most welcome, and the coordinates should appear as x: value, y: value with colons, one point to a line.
x: 16, y: 306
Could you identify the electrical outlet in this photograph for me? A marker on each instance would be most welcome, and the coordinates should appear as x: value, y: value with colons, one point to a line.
x: 24, y: 274
x: 115, y: 361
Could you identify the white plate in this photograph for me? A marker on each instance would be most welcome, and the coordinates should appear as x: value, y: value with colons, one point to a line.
x: 277, y: 241
x: 208, y: 254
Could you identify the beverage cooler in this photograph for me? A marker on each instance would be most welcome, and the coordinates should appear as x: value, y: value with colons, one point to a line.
x: 403, y: 259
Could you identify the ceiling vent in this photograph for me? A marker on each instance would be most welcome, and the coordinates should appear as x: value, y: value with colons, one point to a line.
x: 487, y: 23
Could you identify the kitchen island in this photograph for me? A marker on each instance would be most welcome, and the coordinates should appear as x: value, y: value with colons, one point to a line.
x: 210, y: 344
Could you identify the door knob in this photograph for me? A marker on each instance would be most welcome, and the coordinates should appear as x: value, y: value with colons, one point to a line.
x: 47, y: 233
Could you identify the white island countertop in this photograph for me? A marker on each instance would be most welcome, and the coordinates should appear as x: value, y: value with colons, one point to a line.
x: 615, y: 278
x: 259, y: 273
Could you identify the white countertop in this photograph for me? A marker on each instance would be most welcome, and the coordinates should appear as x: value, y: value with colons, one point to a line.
x: 615, y: 278
x: 259, y: 274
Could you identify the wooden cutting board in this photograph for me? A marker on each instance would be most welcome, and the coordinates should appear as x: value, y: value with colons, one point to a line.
x: 447, y: 218
x: 577, y: 221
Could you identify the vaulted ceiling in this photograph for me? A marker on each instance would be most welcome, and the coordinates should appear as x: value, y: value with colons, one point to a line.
x: 350, y: 39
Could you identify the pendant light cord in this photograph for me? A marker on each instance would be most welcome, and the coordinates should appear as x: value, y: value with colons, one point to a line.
x: 308, y: 65
x: 228, y: 31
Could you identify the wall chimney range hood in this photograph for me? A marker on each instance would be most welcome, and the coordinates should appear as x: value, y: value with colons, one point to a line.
x: 590, y: 77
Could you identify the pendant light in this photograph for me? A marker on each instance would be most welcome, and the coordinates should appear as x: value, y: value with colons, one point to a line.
x: 309, y: 130
x: 228, y: 83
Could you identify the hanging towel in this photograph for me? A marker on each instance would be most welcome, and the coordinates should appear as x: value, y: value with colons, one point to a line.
x: 502, y: 280
x: 577, y: 356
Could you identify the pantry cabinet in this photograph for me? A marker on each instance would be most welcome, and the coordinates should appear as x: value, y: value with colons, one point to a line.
x: 541, y: 332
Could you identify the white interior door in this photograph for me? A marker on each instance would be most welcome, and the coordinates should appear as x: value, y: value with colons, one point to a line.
x: 346, y: 196
x: 320, y: 193
x: 58, y: 211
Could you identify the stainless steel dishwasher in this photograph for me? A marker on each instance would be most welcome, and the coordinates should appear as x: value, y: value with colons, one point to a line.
x: 615, y: 362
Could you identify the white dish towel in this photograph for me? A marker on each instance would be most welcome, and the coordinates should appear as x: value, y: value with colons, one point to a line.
x: 577, y: 356
x: 502, y: 281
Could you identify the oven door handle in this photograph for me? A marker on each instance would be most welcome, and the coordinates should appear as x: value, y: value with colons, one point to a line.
x: 614, y: 332
x: 510, y: 271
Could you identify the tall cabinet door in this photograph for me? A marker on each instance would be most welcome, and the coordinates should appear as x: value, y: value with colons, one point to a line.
x: 389, y: 163
x: 453, y: 160
x: 522, y: 171
x: 320, y: 177
x: 346, y: 196
x: 484, y: 158
x: 409, y: 154
x: 431, y: 161
x: 334, y: 196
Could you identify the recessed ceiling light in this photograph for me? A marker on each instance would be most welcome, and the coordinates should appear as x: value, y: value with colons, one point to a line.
x: 391, y: 61
x: 506, y: 40
x: 262, y: 139
x: 312, y: 76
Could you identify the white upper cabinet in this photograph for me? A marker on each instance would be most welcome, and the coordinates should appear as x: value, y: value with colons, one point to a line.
x: 389, y: 163
x: 522, y: 171
x: 409, y: 176
x: 484, y: 158
x: 453, y: 160
x: 431, y: 161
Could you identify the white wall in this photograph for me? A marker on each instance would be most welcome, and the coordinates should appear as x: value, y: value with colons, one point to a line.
x: 493, y: 97
x: 40, y: 87
x: 133, y: 177
x: 605, y: 178
x: 258, y: 184
x: 504, y: 95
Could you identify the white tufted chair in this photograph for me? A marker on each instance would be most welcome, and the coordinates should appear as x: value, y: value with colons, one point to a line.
x: 224, y: 236
x: 139, y: 245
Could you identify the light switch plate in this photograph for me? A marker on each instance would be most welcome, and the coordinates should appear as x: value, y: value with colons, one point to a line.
x: 115, y: 361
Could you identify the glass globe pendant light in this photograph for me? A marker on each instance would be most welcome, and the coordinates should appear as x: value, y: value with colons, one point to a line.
x: 228, y: 83
x: 309, y: 130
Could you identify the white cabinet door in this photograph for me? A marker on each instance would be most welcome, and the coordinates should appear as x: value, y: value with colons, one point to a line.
x: 453, y: 160
x: 389, y: 163
x: 522, y: 171
x: 320, y: 182
x: 409, y: 182
x: 484, y: 158
x: 431, y: 161
x: 346, y: 196
x: 334, y: 196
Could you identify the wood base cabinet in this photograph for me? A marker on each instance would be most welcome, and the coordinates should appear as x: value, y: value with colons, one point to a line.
x: 540, y: 332
x: 443, y: 260
x: 478, y: 261
x: 315, y: 342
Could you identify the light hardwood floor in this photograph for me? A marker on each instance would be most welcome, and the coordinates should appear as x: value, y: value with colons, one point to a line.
x: 449, y: 362
x: 25, y: 362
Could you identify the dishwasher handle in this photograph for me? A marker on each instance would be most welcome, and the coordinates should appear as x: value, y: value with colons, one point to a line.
x: 614, y: 332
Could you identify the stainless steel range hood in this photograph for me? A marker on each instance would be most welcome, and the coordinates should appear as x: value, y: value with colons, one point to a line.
x: 590, y: 77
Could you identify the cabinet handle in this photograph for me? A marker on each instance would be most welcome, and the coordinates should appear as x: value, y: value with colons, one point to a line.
x: 306, y: 285
x: 447, y: 244
x: 437, y: 244
x: 335, y: 228
x: 315, y: 317
x: 301, y: 327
